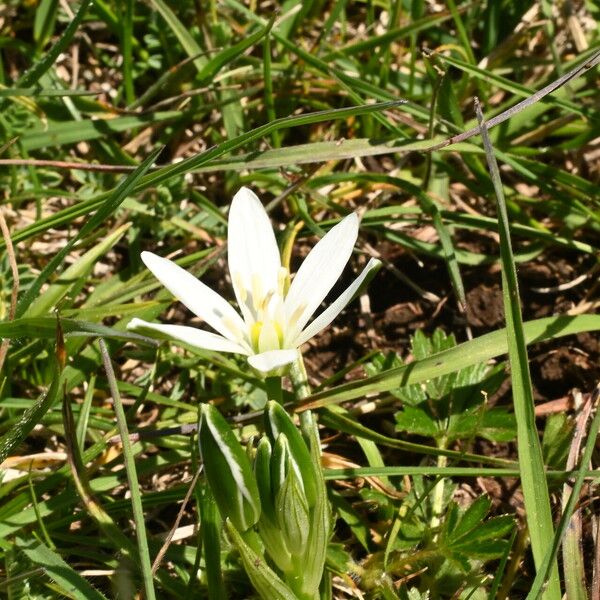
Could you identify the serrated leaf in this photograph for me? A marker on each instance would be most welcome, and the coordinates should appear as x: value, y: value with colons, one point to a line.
x: 472, y: 517
x: 417, y: 421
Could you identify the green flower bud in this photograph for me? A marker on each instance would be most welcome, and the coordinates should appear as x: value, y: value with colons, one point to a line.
x: 292, y: 512
x: 277, y: 422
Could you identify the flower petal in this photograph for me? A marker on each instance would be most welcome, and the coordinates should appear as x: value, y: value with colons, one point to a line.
x: 198, y: 297
x: 192, y: 336
x: 272, y: 360
x: 253, y: 255
x: 318, y: 273
x: 334, y: 309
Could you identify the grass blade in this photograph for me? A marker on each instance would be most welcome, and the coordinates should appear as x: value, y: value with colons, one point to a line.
x: 533, y: 477
x: 481, y: 349
x: 546, y: 567
x: 33, y: 75
x: 136, y: 498
x: 31, y: 417
x: 71, y: 582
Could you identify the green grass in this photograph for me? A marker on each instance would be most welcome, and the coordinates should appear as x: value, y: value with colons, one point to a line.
x: 322, y: 108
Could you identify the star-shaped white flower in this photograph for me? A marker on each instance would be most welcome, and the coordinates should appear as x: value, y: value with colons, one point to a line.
x: 274, y: 319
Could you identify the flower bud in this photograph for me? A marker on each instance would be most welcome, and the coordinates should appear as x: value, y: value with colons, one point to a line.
x: 277, y: 422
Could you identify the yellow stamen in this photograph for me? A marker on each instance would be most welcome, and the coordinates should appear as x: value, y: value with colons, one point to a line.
x: 238, y: 283
x: 257, y: 291
x: 283, y: 281
x: 296, y: 314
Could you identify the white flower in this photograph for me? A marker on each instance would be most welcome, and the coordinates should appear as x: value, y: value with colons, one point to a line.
x: 274, y: 320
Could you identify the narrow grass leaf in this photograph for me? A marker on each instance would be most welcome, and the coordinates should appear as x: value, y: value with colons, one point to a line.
x: 181, y: 32
x: 545, y: 570
x: 69, y: 580
x: 533, y: 477
x: 480, y: 349
x: 32, y: 416
x: 212, y: 67
x: 132, y: 478
x: 33, y: 75
x: 72, y: 276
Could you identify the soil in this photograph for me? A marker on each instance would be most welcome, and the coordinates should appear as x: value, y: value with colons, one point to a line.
x: 397, y: 311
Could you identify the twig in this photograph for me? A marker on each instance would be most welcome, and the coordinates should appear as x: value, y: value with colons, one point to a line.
x: 167, y: 543
x: 513, y: 110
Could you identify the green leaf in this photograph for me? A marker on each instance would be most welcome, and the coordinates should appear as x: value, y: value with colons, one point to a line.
x: 228, y: 469
x: 556, y: 440
x: 212, y: 67
x: 263, y: 578
x: 45, y: 327
x: 69, y: 580
x: 417, y: 421
x: 478, y: 350
x: 533, y: 479
x: 33, y: 415
x: 32, y: 76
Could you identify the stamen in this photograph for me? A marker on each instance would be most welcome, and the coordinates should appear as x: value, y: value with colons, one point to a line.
x: 265, y: 303
x: 296, y: 315
x: 257, y: 292
x: 238, y: 283
x: 255, y: 330
x: 283, y: 281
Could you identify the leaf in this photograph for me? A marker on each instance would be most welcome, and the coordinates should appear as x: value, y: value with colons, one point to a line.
x: 212, y: 67
x: 105, y: 209
x: 263, y: 578
x: 33, y: 415
x: 417, y: 421
x: 228, y: 469
x: 70, y: 581
x: 475, y: 351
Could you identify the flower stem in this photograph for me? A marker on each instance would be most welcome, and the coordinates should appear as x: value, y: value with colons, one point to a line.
x: 273, y: 387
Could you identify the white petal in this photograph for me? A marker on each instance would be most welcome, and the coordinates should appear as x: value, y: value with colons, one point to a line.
x: 332, y: 311
x: 252, y: 252
x: 272, y: 360
x: 192, y: 336
x: 318, y: 273
x: 198, y: 297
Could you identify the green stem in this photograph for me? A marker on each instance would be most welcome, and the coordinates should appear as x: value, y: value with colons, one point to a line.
x: 301, y: 389
x: 274, y: 390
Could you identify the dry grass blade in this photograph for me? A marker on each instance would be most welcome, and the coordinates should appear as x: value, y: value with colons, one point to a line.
x: 572, y: 551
